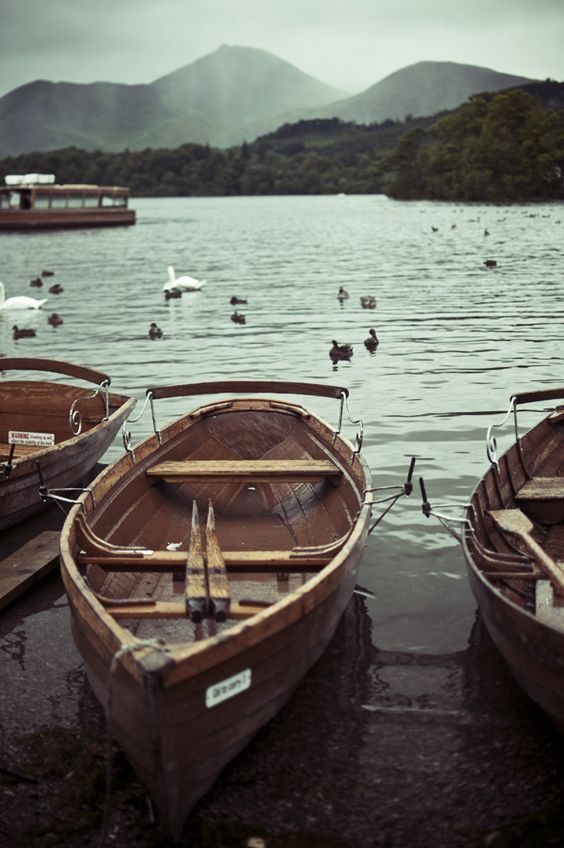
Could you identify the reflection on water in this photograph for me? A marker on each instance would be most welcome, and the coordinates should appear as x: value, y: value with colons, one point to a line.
x: 455, y: 339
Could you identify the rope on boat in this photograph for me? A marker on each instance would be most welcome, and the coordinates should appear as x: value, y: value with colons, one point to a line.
x: 137, y: 645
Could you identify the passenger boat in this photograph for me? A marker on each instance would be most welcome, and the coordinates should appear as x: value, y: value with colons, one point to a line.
x: 34, y: 201
x: 206, y: 572
x: 514, y: 547
x: 52, y: 434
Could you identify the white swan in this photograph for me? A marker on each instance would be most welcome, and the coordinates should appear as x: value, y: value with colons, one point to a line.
x: 21, y: 302
x: 185, y: 283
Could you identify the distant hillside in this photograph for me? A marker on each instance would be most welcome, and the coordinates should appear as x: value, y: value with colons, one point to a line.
x: 421, y: 89
x: 232, y: 95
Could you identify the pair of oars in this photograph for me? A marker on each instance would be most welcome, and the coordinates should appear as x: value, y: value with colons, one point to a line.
x: 516, y: 523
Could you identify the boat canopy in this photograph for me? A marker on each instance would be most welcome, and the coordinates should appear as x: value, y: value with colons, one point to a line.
x: 29, y: 179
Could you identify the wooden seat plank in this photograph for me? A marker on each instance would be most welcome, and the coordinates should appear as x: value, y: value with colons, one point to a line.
x: 256, y: 470
x: 173, y: 561
x: 542, y: 489
x: 173, y: 609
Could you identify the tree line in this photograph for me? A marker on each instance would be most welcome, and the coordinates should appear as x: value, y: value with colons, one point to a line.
x: 495, y: 147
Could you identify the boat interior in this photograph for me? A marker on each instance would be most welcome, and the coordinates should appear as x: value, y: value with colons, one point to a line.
x: 237, y: 509
x: 516, y: 519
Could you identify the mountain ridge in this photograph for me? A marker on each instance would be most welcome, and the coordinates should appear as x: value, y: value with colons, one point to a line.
x: 232, y: 95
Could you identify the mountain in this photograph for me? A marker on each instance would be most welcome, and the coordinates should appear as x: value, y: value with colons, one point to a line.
x: 417, y: 90
x: 232, y: 95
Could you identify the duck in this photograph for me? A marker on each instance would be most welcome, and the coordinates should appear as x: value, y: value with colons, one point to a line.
x: 155, y: 331
x: 184, y: 283
x: 172, y: 293
x: 22, y: 332
x: 36, y: 283
x: 490, y: 263
x: 237, y: 318
x: 56, y: 289
x: 340, y: 351
x: 368, y: 301
x: 20, y: 302
x: 55, y: 320
x: 237, y: 300
x: 342, y: 294
x: 372, y: 342
x: 47, y: 273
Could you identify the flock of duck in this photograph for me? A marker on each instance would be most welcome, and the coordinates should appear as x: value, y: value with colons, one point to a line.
x: 172, y: 288
x: 23, y: 302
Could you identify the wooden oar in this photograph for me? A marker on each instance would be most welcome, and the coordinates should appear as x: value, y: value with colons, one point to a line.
x: 515, y: 522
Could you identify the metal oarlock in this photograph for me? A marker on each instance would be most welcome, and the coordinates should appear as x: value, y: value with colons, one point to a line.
x: 6, y: 467
x: 52, y: 494
x: 400, y: 491
x: 445, y: 520
x: 75, y: 418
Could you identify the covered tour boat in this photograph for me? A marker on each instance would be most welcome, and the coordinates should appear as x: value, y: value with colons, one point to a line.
x: 35, y: 201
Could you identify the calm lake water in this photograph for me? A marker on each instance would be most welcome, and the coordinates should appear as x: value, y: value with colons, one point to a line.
x: 456, y: 339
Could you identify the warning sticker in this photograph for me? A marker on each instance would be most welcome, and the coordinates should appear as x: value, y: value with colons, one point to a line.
x: 21, y: 437
x: 228, y: 688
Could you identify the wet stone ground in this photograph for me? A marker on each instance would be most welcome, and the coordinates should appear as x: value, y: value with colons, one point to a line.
x: 375, y: 749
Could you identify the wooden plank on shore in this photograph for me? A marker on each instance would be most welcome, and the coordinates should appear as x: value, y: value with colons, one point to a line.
x: 27, y: 564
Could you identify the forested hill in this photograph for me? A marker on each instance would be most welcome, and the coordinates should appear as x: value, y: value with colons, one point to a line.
x: 496, y: 147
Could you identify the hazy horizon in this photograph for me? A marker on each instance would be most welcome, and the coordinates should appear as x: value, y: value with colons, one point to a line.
x: 351, y: 45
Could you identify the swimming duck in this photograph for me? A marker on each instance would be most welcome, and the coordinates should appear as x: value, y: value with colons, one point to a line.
x: 36, y: 283
x: 340, y: 351
x: 237, y: 318
x: 372, y: 342
x: 342, y: 294
x: 55, y: 320
x: 155, y: 331
x: 490, y: 263
x: 56, y: 289
x: 22, y: 332
x: 184, y: 283
x: 237, y: 300
x: 21, y: 302
x: 47, y: 273
x: 172, y: 293
x: 368, y: 301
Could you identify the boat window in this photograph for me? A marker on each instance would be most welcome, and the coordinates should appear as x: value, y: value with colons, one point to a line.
x: 114, y: 200
x: 75, y: 201
x: 25, y: 199
x: 42, y: 201
x: 58, y: 201
x: 91, y: 200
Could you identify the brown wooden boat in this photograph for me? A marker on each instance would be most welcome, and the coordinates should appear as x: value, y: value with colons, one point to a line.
x: 514, y: 547
x: 35, y: 202
x: 51, y: 434
x: 207, y: 571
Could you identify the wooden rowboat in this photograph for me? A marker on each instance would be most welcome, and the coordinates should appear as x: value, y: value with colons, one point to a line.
x: 51, y: 434
x: 207, y: 572
x: 514, y: 548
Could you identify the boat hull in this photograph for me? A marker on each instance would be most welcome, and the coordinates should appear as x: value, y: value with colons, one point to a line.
x: 43, y: 219
x: 29, y: 406
x: 181, y: 710
x: 505, y: 577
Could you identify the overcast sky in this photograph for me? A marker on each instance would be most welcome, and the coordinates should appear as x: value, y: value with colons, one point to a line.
x: 350, y: 44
